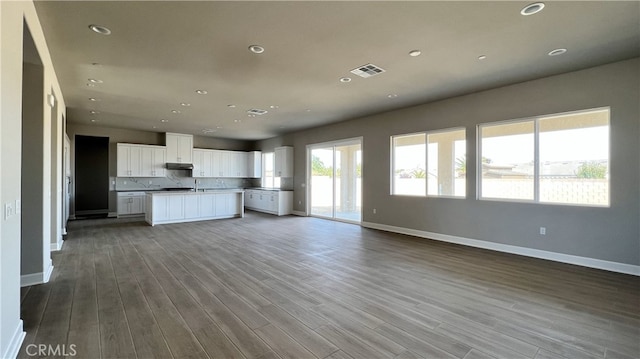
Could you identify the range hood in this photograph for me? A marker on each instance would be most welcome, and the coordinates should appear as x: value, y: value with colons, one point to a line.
x: 179, y: 166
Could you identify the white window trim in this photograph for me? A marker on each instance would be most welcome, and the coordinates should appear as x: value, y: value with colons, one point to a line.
x: 536, y: 158
x: 426, y: 145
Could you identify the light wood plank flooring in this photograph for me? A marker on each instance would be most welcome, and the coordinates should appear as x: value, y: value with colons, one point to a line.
x: 293, y: 287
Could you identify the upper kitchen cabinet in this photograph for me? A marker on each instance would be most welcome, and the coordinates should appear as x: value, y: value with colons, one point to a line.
x: 254, y: 164
x: 140, y: 160
x: 202, y: 163
x: 154, y: 159
x: 179, y: 148
x: 283, y: 161
x: 129, y: 160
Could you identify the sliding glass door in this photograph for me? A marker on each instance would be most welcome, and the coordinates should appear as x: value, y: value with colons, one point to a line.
x: 336, y: 180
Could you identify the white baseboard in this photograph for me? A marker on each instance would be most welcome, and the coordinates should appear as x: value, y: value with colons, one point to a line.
x: 48, y: 271
x: 113, y: 215
x: 523, y: 251
x: 15, y: 343
x: 37, y: 278
x: 299, y: 213
x: 56, y: 246
x: 64, y: 231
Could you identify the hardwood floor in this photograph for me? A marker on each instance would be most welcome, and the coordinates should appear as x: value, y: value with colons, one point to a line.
x: 293, y: 287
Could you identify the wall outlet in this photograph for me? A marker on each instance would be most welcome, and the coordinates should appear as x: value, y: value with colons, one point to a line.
x: 8, y: 210
x: 543, y: 231
x: 375, y: 211
x: 299, y: 202
x: 18, y: 206
x: 150, y: 182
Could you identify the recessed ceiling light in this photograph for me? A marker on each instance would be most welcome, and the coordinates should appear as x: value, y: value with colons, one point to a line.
x: 237, y: 121
x: 392, y: 95
x: 482, y: 57
x: 274, y: 106
x: 256, y: 49
x: 249, y: 115
x: 93, y: 99
x: 184, y: 104
x: 175, y: 111
x: 94, y: 112
x: 208, y: 130
x: 201, y: 92
x: 102, y: 30
x: 557, y: 52
x: 308, y: 110
x: 95, y: 81
x: 415, y: 53
x: 94, y: 120
x: 533, y: 8
x: 218, y: 127
x: 231, y: 106
x: 91, y: 85
x: 345, y: 79
x: 164, y: 120
x: 155, y: 127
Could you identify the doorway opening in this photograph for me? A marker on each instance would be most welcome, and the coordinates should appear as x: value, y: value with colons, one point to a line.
x: 335, y: 186
x: 92, y: 176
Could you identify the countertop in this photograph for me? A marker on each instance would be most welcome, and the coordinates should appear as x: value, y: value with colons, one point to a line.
x: 192, y: 193
x: 268, y: 189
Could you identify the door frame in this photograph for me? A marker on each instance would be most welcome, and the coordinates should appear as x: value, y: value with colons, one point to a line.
x: 347, y: 141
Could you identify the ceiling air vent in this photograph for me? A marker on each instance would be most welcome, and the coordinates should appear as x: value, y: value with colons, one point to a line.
x: 367, y: 70
x: 257, y: 111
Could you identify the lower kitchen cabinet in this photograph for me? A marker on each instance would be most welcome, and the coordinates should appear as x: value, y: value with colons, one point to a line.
x: 176, y: 207
x: 275, y: 202
x: 131, y: 204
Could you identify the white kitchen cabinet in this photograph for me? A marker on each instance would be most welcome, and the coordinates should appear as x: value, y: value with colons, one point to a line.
x: 254, y: 164
x: 191, y: 207
x: 283, y: 161
x: 269, y: 201
x: 226, y: 164
x: 129, y: 160
x: 202, y: 163
x: 140, y: 160
x: 176, y: 207
x: 217, y: 165
x: 153, y: 161
x: 207, y: 205
x: 179, y: 148
x: 131, y: 203
x: 237, y: 164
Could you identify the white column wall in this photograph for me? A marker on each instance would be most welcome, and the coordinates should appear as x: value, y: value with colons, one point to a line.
x: 12, y: 16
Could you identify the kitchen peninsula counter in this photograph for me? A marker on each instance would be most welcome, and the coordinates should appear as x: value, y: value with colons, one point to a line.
x: 188, y: 206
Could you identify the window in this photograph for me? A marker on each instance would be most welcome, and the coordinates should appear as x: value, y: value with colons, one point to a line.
x: 268, y: 178
x: 561, y: 158
x: 447, y: 163
x: 429, y: 163
x: 409, y: 165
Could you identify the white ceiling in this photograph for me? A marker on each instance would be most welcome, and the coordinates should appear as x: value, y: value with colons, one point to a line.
x: 160, y: 53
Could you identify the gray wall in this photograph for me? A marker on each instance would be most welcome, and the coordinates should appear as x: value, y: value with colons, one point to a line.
x: 611, y: 234
x: 117, y: 135
x: 32, y: 169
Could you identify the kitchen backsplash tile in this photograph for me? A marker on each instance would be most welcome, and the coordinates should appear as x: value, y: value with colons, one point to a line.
x: 179, y: 178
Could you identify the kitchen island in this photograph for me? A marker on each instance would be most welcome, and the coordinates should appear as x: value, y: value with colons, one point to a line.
x: 184, y: 206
